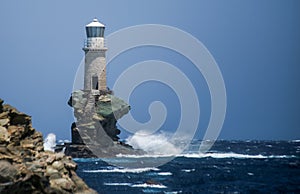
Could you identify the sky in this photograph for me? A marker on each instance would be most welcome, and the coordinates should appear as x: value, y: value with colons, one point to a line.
x: 255, y: 43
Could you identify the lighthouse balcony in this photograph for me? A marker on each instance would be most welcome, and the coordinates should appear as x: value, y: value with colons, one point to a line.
x: 94, y: 43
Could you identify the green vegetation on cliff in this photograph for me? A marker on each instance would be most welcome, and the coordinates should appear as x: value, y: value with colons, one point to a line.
x: 105, y: 109
x: 95, y: 133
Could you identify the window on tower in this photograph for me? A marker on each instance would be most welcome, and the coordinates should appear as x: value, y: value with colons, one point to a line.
x: 95, y: 31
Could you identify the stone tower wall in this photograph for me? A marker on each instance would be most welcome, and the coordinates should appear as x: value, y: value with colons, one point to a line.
x: 95, y: 65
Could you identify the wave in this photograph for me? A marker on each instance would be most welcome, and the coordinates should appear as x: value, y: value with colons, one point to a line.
x: 295, y: 141
x: 164, y: 173
x: 153, y: 144
x: 145, y: 185
x: 117, y: 184
x: 233, y: 155
x: 221, y: 155
x: 50, y: 142
x: 188, y: 170
x: 212, y: 155
x: 122, y: 170
x: 145, y: 156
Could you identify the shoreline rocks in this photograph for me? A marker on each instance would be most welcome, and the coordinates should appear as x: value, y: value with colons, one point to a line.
x: 24, y: 165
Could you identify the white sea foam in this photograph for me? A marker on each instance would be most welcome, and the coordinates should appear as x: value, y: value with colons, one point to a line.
x: 165, y: 173
x: 50, y: 142
x: 221, y: 155
x: 233, y: 155
x: 188, y: 170
x: 172, y: 192
x: 144, y: 185
x: 117, y: 184
x: 296, y: 140
x: 153, y: 144
x: 121, y: 170
x: 282, y: 156
x: 144, y: 156
x: 206, y: 155
x: 160, y: 186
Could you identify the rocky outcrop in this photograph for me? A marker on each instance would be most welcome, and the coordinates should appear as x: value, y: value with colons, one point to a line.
x: 95, y: 133
x: 106, y: 109
x: 24, y: 165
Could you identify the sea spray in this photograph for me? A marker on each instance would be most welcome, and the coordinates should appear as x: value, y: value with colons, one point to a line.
x: 50, y: 142
x: 156, y: 144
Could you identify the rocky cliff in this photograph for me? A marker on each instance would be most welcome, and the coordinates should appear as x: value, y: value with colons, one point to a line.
x: 24, y: 165
x: 95, y: 133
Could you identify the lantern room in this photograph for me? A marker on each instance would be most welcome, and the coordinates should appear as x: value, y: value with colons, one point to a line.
x: 94, y: 29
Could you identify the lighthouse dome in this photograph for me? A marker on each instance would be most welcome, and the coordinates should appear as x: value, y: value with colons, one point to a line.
x: 95, y: 29
x: 95, y: 23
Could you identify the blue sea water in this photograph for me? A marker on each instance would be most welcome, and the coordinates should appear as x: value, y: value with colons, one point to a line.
x: 229, y: 167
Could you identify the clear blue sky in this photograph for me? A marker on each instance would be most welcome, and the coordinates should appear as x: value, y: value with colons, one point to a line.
x: 255, y: 43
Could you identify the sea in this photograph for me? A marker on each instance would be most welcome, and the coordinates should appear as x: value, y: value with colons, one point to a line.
x: 228, y: 167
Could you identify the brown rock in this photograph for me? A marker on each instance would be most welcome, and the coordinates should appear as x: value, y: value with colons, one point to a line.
x: 27, y: 143
x: 39, y: 148
x: 4, y: 122
x: 3, y: 115
x: 50, y: 171
x: 4, y: 135
x: 34, y: 166
x: 50, y: 159
x: 24, y: 165
x: 22, y: 168
x: 70, y: 165
x: 55, y: 176
x: 59, y: 156
x: 63, y: 183
x: 6, y: 157
x: 3, y: 149
x: 37, y: 135
x: 16, y: 132
x: 58, y: 165
x: 18, y: 118
x: 7, y: 172
x: 33, y: 184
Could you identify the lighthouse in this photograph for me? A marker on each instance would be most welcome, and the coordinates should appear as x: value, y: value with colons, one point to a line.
x: 95, y: 62
x: 96, y: 109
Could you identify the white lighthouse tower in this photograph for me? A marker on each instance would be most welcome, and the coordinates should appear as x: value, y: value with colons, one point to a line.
x: 95, y: 62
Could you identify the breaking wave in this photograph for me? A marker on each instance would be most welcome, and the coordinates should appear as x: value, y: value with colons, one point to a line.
x: 117, y: 184
x: 121, y: 170
x: 164, y: 173
x: 212, y: 155
x: 233, y: 155
x: 144, y: 185
x: 188, y: 170
x: 155, y: 144
x: 50, y: 142
x: 296, y: 141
